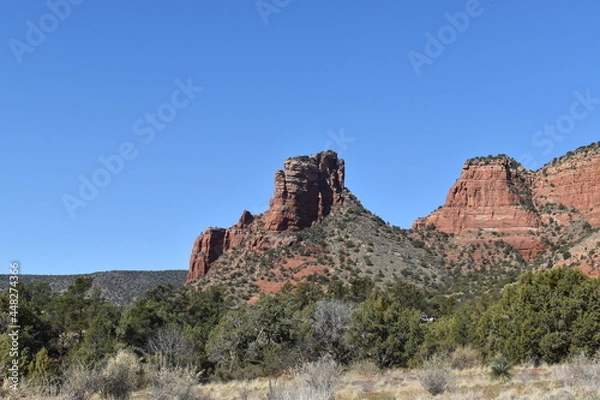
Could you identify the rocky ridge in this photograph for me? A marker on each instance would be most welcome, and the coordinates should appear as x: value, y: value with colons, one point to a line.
x: 532, y: 211
x: 315, y: 230
x: 498, y: 219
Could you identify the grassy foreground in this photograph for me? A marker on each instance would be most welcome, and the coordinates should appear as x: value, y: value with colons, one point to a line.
x: 529, y: 382
x: 324, y: 380
x: 442, y: 376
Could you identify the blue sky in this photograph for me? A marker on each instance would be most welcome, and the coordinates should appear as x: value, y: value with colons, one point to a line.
x: 404, y: 91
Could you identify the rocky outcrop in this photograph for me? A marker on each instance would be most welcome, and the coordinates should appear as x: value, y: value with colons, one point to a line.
x: 495, y: 201
x: 306, y: 191
x: 491, y: 194
x: 497, y: 194
x: 209, y: 246
x: 574, y: 182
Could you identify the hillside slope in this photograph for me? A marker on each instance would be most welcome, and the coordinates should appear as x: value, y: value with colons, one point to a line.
x: 119, y: 287
x: 498, y: 219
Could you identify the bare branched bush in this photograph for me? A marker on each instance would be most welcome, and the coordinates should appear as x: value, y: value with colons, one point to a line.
x: 331, y: 321
x: 322, y: 375
x: 121, y: 376
x: 435, y: 375
x: 312, y: 381
x: 169, y: 383
x: 464, y: 358
x: 170, y: 345
x: 80, y: 383
x: 581, y: 370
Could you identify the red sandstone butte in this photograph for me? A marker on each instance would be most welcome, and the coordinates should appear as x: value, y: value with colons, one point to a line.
x: 497, y: 194
x: 306, y: 191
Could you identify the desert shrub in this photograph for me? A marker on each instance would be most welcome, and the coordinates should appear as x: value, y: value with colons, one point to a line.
x: 47, y: 388
x: 581, y: 370
x: 464, y: 357
x: 81, y: 383
x: 330, y: 322
x: 261, y: 339
x: 297, y: 391
x: 365, y: 366
x: 168, y: 383
x: 385, y: 331
x: 170, y: 345
x: 501, y: 369
x: 434, y: 374
x: 312, y: 381
x: 121, y: 376
x: 545, y: 316
x: 322, y: 375
x: 243, y: 393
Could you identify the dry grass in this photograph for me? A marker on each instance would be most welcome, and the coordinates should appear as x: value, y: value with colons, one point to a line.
x: 167, y: 383
x: 578, y: 379
x: 529, y: 383
x: 435, y: 374
x: 464, y: 358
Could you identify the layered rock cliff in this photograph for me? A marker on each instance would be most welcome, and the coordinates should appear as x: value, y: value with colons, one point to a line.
x: 491, y: 194
x: 498, y: 219
x: 306, y: 191
x: 573, y: 181
x: 497, y: 195
x: 209, y: 246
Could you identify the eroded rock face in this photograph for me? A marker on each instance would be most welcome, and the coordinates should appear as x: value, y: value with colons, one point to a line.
x: 492, y: 194
x: 306, y: 191
x: 207, y: 248
x: 573, y: 182
x: 499, y: 195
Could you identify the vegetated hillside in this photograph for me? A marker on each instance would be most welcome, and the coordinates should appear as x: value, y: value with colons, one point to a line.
x: 315, y: 230
x: 118, y: 287
x: 349, y: 244
x: 499, y: 219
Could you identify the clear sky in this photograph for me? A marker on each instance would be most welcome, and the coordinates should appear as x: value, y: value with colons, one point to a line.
x: 193, y: 105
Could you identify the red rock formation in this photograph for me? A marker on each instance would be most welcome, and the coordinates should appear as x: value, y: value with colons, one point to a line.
x: 306, y: 191
x: 491, y: 194
x: 573, y: 181
x: 209, y: 246
x: 497, y: 194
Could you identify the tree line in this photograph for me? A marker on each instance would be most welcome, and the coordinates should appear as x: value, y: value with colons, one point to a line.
x: 543, y: 317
